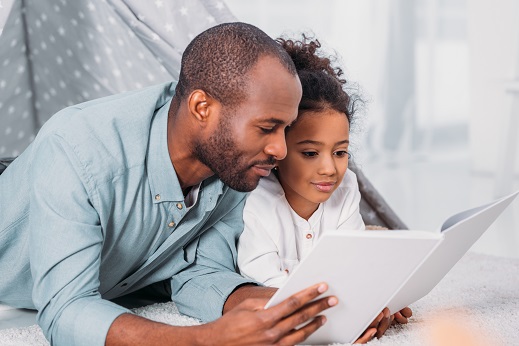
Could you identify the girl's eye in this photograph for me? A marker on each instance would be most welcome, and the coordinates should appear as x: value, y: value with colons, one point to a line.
x: 309, y: 153
x: 342, y: 153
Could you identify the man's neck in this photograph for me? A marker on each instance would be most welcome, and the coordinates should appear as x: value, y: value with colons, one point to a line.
x: 190, y: 171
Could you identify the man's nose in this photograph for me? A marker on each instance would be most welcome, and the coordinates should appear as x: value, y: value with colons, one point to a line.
x: 277, y: 148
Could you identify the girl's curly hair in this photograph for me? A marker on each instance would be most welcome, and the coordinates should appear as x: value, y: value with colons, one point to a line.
x: 323, y: 84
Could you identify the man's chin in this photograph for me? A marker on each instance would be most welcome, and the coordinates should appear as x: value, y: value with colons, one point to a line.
x: 244, y: 186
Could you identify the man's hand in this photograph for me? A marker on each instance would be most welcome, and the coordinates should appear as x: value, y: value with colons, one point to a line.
x: 249, y: 323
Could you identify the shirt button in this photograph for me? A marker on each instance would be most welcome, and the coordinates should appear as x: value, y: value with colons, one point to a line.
x: 309, y: 236
x: 171, y: 224
x: 157, y: 197
x: 179, y: 205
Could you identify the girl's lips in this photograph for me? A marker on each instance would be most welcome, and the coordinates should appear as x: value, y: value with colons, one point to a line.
x: 324, y: 187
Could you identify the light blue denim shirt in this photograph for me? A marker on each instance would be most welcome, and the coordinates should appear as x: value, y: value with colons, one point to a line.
x: 93, y: 210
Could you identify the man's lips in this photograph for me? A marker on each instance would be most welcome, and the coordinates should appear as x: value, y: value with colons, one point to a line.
x: 324, y: 186
x: 263, y: 170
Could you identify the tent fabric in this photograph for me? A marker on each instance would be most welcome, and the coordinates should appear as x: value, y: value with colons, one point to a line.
x: 58, y: 53
x: 17, y: 125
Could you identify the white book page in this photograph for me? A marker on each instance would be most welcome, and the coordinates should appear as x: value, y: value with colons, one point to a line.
x: 461, y: 232
x: 364, y: 270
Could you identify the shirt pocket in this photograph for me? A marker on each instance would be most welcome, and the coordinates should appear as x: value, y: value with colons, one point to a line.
x: 288, y: 265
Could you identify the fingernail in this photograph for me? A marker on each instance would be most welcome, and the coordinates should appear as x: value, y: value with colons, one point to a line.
x: 322, y: 288
x: 386, y: 313
x: 323, y: 320
x: 332, y: 301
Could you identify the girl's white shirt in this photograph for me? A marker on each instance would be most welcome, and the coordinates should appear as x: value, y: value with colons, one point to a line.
x: 275, y: 238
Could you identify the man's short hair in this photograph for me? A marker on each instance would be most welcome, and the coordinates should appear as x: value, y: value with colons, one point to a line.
x: 219, y: 59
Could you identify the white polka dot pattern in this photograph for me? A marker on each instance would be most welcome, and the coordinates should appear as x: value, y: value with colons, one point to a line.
x: 74, y: 51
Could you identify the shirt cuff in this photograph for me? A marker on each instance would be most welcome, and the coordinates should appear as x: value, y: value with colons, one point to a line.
x: 216, y: 295
x: 89, y: 323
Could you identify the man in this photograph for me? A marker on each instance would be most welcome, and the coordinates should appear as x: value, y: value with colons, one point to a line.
x: 114, y: 194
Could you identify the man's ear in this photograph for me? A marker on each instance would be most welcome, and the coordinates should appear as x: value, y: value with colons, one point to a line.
x: 199, y: 104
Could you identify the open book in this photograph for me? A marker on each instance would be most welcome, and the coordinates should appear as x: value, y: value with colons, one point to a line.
x: 370, y: 270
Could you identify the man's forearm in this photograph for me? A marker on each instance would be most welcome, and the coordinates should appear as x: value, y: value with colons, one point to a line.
x: 243, y: 323
x: 129, y: 329
x: 245, y: 292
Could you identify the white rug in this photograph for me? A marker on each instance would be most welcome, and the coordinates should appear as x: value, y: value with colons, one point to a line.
x: 477, y: 303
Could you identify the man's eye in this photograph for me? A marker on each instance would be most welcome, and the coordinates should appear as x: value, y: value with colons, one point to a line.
x: 342, y: 153
x: 309, y: 153
x: 267, y: 130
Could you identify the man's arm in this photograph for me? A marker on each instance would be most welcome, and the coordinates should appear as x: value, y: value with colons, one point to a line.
x: 65, y: 250
x: 247, y: 323
x: 202, y: 289
x: 247, y: 292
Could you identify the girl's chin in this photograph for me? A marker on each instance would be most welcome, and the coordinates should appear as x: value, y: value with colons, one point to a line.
x: 319, y: 199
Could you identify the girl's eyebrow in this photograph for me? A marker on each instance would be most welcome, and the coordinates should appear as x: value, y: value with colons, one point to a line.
x: 309, y: 141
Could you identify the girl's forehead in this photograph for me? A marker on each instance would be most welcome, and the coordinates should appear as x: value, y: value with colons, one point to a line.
x: 323, y: 123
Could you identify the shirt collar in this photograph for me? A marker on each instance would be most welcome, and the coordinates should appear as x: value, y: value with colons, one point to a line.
x: 313, y: 220
x: 164, y: 184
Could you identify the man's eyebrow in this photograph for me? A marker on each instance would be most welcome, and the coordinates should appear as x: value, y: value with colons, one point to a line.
x: 309, y: 141
x: 274, y: 121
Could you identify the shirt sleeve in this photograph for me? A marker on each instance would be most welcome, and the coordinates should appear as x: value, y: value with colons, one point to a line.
x: 65, y: 241
x: 201, y: 289
x: 350, y: 217
x: 258, y: 254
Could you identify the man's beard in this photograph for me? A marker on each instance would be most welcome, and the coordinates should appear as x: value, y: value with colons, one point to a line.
x: 221, y: 154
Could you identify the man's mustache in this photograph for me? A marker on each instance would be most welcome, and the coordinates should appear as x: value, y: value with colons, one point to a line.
x: 270, y: 161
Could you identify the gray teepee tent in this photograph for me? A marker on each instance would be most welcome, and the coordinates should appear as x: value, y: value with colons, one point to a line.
x: 58, y: 53
x: 62, y: 52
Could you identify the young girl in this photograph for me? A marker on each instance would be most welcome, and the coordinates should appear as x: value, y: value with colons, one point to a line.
x: 311, y: 190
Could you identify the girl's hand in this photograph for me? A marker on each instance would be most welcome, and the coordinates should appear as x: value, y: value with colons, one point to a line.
x: 377, y: 328
x: 402, y: 316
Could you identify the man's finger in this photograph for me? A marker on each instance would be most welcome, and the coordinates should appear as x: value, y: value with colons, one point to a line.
x: 305, y: 314
x: 297, y: 301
